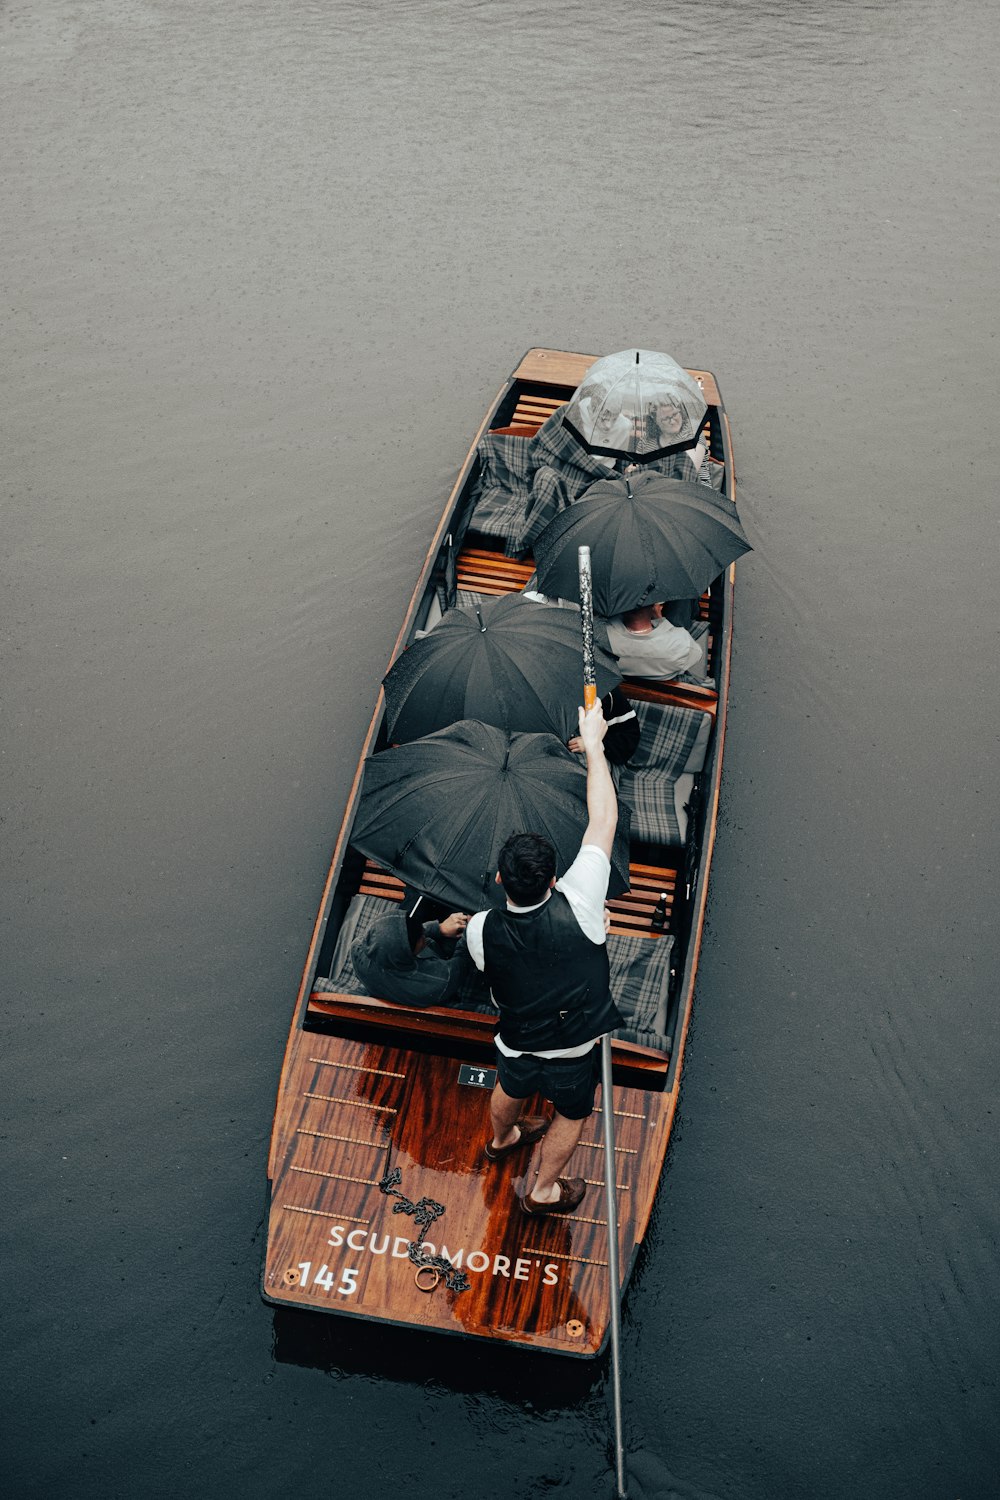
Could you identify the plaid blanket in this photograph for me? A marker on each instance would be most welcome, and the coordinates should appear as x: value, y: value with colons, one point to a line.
x: 640, y: 980
x: 649, y: 796
x: 667, y: 733
x: 525, y: 481
x: 667, y: 736
x: 699, y: 630
x: 362, y: 912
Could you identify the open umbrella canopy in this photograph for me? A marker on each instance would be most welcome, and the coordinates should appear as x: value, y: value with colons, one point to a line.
x: 650, y: 538
x: 510, y: 661
x: 637, y: 405
x: 437, y: 811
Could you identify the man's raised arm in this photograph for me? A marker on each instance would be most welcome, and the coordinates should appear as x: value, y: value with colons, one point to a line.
x: 602, y: 803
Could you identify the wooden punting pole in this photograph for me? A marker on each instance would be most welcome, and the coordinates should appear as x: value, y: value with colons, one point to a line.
x: 587, y: 624
x: 607, y: 1091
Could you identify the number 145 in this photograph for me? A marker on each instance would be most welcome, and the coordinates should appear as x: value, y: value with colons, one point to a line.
x: 324, y: 1278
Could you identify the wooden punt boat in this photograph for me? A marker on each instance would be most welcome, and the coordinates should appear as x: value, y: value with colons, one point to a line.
x: 368, y: 1087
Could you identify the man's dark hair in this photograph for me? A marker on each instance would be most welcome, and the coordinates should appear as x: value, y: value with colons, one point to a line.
x: 527, y: 863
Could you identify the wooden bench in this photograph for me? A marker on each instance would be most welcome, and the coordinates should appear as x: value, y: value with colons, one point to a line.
x: 685, y: 694
x: 485, y: 572
x: 631, y: 914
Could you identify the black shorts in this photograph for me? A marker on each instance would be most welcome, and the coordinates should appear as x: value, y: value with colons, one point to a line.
x: 568, y: 1083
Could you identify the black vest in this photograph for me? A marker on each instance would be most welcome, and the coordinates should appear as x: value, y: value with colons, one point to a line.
x: 549, y: 980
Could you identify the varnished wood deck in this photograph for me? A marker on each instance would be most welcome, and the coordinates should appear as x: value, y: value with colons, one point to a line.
x: 353, y: 1111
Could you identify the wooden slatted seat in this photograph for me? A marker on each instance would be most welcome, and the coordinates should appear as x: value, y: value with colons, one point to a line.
x: 485, y: 572
x: 686, y: 694
x: 631, y: 914
x: 378, y: 882
x: 532, y: 411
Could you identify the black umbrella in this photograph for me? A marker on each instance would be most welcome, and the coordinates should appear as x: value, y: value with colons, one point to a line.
x: 650, y: 539
x: 510, y: 661
x: 437, y: 811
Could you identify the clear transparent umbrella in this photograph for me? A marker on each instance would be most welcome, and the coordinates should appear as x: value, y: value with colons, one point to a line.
x: 638, y: 406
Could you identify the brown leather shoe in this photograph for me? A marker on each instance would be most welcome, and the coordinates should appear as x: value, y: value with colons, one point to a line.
x: 571, y: 1191
x: 531, y: 1130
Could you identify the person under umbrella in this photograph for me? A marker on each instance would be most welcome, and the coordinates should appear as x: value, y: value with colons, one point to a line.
x: 545, y: 959
x: 651, y: 538
x: 637, y: 406
x: 411, y: 962
x: 511, y: 662
x: 647, y: 644
x: 435, y: 812
x: 650, y: 413
x: 624, y: 733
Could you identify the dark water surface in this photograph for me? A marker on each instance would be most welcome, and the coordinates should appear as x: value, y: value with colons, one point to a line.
x: 265, y: 265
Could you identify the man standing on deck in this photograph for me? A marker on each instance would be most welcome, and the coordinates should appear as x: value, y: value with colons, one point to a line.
x: 546, y: 961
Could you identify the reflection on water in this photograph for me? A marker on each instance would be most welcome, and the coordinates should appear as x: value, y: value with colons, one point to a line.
x: 266, y: 267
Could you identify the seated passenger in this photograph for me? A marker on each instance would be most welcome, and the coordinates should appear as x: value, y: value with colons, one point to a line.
x: 648, y: 645
x: 411, y: 962
x: 602, y: 415
x: 622, y: 738
x: 524, y: 482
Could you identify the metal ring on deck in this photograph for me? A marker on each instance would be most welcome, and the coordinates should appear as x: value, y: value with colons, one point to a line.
x: 427, y: 1271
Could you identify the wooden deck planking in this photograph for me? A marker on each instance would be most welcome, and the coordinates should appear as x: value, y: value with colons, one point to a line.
x: 355, y: 1109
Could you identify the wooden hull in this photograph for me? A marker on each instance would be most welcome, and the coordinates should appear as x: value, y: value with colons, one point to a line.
x: 369, y: 1090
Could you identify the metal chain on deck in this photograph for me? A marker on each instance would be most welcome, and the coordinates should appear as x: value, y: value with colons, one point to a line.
x: 424, y: 1213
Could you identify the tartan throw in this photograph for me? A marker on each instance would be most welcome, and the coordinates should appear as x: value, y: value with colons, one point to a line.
x: 642, y: 1038
x: 640, y: 983
x: 465, y: 598
x: 650, y: 797
x: 699, y: 630
x: 525, y: 481
x: 667, y: 737
x: 667, y: 733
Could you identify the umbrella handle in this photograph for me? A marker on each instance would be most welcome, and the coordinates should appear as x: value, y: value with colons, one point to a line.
x: 587, y: 627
